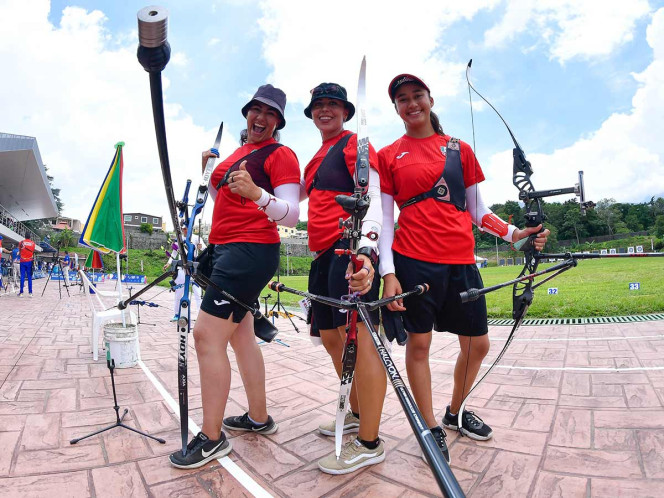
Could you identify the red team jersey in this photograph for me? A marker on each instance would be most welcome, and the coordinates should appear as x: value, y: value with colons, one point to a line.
x: 429, y: 230
x: 27, y: 250
x: 237, y: 219
x: 324, y: 211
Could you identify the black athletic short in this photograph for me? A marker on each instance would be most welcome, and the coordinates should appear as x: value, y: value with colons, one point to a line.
x: 242, y: 269
x: 327, y: 278
x: 441, y: 308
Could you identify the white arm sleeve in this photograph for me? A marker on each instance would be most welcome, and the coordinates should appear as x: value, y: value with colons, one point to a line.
x: 373, y: 219
x: 386, y: 264
x: 284, y: 206
x: 303, y: 190
x: 478, y: 210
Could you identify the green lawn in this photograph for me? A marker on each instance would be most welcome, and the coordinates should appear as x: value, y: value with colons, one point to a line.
x: 593, y: 288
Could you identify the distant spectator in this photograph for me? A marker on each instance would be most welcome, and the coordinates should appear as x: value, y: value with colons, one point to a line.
x: 2, y: 249
x: 16, y: 262
x: 64, y: 267
x: 27, y: 248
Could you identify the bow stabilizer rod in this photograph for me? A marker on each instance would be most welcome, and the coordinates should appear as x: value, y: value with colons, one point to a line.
x: 153, y: 54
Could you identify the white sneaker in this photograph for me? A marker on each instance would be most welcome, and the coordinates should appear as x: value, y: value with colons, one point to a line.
x: 351, y: 424
x: 354, y: 455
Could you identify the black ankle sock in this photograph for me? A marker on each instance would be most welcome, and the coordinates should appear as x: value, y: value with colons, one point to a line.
x: 372, y: 445
x: 356, y: 415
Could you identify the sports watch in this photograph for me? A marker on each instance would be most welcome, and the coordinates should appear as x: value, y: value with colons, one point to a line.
x: 370, y: 253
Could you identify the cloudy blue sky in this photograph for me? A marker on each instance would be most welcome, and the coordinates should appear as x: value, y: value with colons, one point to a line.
x: 581, y: 83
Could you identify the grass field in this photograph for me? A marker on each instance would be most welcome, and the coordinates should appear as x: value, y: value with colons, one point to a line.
x: 593, y: 288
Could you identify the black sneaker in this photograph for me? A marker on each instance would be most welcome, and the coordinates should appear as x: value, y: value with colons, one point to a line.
x: 200, y: 451
x: 472, y: 426
x: 439, y: 435
x: 243, y: 423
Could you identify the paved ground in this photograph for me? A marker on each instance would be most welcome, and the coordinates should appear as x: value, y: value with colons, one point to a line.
x: 566, y: 421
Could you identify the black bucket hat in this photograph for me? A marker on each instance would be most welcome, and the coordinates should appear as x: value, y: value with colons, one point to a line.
x: 330, y: 91
x: 272, y: 96
x: 402, y: 79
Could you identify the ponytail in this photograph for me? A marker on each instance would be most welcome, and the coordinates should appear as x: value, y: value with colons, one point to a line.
x: 435, y: 124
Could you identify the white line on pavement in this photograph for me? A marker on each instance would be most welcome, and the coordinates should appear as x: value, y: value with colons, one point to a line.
x: 580, y: 339
x: 243, y: 478
x: 558, y: 369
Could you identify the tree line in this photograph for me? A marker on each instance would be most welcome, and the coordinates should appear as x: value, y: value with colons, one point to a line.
x: 567, y: 223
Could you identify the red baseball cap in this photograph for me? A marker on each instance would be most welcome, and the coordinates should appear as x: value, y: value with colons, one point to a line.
x: 402, y: 79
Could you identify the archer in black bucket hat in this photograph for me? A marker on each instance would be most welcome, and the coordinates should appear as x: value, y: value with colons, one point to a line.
x: 330, y: 91
x: 272, y: 96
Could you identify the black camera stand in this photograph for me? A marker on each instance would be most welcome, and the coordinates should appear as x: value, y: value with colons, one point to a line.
x: 118, y: 419
x: 50, y: 274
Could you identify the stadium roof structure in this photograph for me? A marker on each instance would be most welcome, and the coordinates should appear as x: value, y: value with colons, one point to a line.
x: 24, y: 190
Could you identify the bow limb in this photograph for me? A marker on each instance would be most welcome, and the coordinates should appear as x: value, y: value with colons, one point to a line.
x: 355, y: 205
x: 522, y: 297
x: 470, y: 85
x: 522, y: 293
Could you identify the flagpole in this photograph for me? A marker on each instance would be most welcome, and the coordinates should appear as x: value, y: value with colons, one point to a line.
x: 117, y: 260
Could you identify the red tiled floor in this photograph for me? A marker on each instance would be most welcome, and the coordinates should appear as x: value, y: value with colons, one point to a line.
x: 510, y: 474
x: 556, y: 432
x: 118, y: 480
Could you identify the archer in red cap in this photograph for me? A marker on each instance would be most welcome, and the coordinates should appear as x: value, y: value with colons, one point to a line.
x: 434, y: 179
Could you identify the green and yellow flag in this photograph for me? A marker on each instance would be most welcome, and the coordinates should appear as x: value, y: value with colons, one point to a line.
x: 104, y: 229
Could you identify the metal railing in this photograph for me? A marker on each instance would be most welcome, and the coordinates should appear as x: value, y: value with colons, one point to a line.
x: 8, y: 220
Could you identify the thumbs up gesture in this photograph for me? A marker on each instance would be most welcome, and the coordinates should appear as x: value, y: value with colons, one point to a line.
x: 240, y: 183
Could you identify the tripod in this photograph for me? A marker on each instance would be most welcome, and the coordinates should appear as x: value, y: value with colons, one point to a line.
x: 280, y: 307
x: 9, y: 279
x: 267, y: 313
x: 118, y: 419
x: 50, y: 274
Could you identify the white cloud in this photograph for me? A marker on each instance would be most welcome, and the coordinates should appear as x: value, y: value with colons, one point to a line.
x: 179, y: 59
x: 570, y: 28
x: 399, y: 40
x: 80, y: 89
x: 622, y: 158
x: 335, y: 44
x: 309, y: 42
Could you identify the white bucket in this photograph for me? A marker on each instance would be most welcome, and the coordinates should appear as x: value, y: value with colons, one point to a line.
x: 121, y: 344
